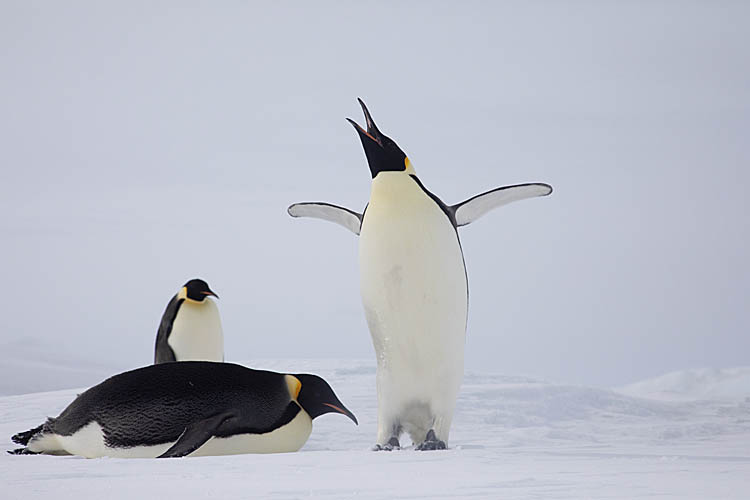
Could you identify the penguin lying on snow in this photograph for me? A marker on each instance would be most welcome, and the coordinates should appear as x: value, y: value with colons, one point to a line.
x: 190, y: 328
x: 189, y: 408
x: 414, y: 287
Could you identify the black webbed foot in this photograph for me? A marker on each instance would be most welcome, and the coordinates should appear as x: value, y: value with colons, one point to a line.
x: 391, y: 445
x: 22, y: 451
x: 24, y: 437
x: 431, y: 442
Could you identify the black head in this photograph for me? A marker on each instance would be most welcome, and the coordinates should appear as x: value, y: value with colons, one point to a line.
x: 317, y: 398
x: 196, y: 290
x: 383, y: 154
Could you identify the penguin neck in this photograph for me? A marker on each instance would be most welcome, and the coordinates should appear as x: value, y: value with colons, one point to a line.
x: 393, y: 188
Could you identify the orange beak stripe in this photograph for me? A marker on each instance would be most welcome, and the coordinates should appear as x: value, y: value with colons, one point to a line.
x: 336, y: 408
x: 365, y: 132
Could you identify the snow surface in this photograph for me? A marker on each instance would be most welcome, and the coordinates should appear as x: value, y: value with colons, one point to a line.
x: 702, y: 383
x: 513, y: 437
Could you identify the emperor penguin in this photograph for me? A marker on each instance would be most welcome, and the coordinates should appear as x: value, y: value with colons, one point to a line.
x: 194, y: 408
x: 190, y: 328
x: 414, y: 287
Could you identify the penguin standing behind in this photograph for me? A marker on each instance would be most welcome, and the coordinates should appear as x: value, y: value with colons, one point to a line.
x: 190, y: 328
x: 414, y: 288
x: 190, y: 408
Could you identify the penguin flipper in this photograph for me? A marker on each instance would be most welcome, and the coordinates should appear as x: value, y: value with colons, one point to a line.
x: 163, y: 353
x: 195, y: 435
x: 319, y: 210
x: 472, y: 209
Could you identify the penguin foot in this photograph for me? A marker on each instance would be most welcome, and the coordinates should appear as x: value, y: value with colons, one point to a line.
x: 22, y: 451
x: 391, y: 445
x: 431, y: 442
x: 24, y: 437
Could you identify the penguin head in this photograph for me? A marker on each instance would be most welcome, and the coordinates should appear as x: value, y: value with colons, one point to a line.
x: 383, y: 154
x: 316, y: 397
x: 196, y: 290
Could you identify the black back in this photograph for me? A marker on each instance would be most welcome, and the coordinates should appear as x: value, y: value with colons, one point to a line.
x: 154, y: 404
x: 162, y: 352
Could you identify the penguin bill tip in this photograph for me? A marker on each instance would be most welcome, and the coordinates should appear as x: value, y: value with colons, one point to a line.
x: 343, y: 411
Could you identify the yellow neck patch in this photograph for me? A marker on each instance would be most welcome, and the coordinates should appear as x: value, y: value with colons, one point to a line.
x: 409, y: 168
x: 183, y: 295
x: 294, y: 386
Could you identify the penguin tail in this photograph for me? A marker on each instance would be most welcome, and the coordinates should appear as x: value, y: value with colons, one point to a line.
x: 23, y: 438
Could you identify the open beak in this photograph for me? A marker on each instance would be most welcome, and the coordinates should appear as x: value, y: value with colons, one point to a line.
x: 341, y: 409
x: 372, y: 131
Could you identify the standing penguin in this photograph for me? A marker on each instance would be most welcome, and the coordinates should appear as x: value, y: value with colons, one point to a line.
x: 414, y: 288
x: 191, y: 408
x: 190, y: 328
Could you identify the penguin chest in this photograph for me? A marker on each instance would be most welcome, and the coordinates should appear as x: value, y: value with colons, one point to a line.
x: 196, y: 332
x: 412, y: 278
x: 287, y: 438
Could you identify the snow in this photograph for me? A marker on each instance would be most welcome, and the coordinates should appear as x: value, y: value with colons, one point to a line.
x: 512, y: 437
x: 29, y: 365
x: 703, y: 383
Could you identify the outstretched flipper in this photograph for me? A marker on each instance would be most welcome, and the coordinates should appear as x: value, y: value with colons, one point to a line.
x: 319, y: 210
x: 196, y: 435
x: 470, y: 210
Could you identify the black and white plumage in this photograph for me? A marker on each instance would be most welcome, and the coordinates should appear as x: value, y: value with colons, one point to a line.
x: 414, y: 287
x: 188, y: 408
x: 190, y: 328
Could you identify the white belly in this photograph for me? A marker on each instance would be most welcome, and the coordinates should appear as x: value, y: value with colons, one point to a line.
x: 414, y: 292
x: 288, y: 438
x: 196, y: 333
x: 89, y: 442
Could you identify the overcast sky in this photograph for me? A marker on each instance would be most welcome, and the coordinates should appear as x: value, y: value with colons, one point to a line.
x: 146, y: 143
